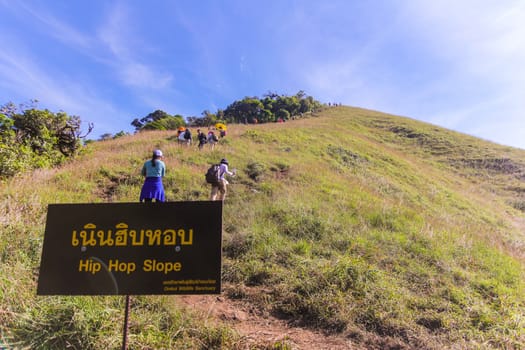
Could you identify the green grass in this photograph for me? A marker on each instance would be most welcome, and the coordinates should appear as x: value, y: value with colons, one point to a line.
x: 354, y: 222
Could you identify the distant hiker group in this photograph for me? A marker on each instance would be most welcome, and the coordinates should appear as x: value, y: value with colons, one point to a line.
x: 155, y: 169
x: 185, y: 137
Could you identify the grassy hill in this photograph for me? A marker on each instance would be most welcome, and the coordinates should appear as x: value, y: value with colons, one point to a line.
x: 380, y: 229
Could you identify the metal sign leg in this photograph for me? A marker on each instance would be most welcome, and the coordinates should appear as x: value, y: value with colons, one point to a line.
x: 126, y: 325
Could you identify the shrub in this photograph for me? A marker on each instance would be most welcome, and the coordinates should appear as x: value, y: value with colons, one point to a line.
x: 255, y: 171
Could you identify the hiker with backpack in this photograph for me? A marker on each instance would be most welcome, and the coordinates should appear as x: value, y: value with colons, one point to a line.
x: 216, y: 177
x: 185, y: 137
x: 153, y: 170
x: 212, y: 139
x: 188, y: 137
x: 202, y: 138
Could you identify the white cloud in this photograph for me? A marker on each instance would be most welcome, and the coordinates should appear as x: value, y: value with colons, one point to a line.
x: 142, y: 76
x: 243, y: 64
x: 125, y: 48
x: 61, y: 30
x: 467, y: 73
x: 480, y: 37
x: 113, y: 45
x: 112, y: 48
x: 24, y: 79
x: 112, y: 33
x: 483, y: 46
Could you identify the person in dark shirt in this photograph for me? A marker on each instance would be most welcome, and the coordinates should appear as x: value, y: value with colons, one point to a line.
x: 202, y: 138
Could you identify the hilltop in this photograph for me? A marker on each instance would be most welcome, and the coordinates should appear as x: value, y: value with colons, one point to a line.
x: 355, y: 227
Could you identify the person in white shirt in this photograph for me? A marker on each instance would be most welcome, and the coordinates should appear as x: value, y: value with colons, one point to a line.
x: 218, y: 190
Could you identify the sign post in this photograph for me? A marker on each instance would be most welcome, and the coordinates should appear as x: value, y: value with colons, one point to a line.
x: 132, y: 249
x: 126, y: 324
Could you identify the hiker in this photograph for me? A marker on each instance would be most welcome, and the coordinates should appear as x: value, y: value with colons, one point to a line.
x: 212, y: 139
x: 154, y: 170
x: 182, y: 138
x: 218, y: 189
x: 202, y: 138
x: 187, y: 137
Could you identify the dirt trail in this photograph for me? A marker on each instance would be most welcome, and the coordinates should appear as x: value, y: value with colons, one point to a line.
x: 259, y: 330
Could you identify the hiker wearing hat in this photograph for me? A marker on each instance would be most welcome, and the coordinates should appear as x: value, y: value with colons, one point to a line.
x: 212, y: 139
x: 154, y: 171
x: 218, y: 189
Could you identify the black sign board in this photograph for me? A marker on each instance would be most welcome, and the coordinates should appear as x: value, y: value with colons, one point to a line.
x: 132, y: 249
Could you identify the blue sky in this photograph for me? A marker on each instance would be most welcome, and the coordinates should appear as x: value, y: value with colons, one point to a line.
x: 457, y: 64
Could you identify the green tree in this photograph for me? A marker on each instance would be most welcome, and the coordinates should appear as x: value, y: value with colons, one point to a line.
x: 106, y: 136
x: 158, y: 120
x: 152, y: 117
x: 289, y: 103
x: 245, y: 111
x: 295, y: 105
x: 167, y: 123
x: 46, y: 132
x: 120, y: 134
x: 282, y: 114
x: 207, y: 119
x: 6, y: 128
x: 308, y: 104
x: 32, y: 138
x: 266, y: 116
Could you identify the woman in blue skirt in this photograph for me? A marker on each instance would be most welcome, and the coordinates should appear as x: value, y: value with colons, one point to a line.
x: 154, y: 171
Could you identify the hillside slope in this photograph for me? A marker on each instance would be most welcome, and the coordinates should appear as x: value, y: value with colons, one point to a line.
x: 374, y: 228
